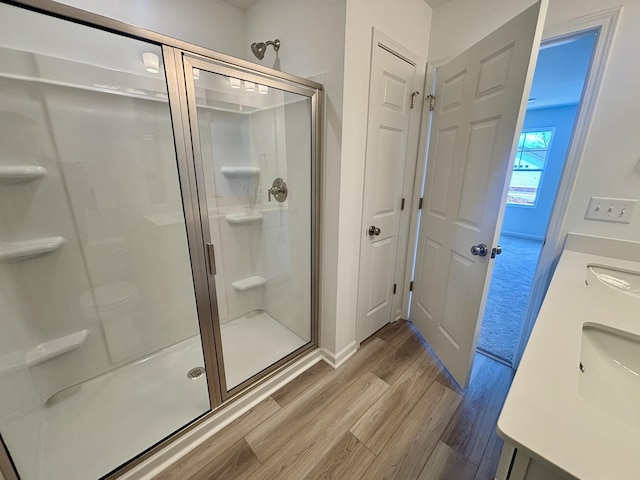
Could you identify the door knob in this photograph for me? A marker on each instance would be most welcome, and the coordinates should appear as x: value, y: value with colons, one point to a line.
x: 496, y: 251
x: 480, y: 250
x: 373, y: 230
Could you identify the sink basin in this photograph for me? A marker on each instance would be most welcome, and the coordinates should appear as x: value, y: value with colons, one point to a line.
x: 609, y: 375
x: 622, y: 281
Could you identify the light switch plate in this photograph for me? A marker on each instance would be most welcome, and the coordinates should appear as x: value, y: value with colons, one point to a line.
x: 611, y: 209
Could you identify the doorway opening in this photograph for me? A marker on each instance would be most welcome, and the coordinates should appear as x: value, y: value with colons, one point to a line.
x: 558, y: 84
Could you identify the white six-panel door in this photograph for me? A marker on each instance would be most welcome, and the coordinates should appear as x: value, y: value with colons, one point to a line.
x: 389, y: 112
x: 481, y: 96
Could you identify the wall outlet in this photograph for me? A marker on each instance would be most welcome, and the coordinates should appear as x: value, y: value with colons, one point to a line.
x: 611, y: 209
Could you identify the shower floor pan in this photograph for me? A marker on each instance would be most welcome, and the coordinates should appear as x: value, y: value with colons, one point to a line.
x: 253, y: 342
x: 114, y: 417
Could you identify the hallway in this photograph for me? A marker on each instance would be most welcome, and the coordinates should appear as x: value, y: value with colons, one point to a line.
x: 391, y: 411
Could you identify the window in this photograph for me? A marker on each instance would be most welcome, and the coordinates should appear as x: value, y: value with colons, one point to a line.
x: 533, y: 148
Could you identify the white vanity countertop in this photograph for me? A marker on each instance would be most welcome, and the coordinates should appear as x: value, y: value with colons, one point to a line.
x: 544, y: 411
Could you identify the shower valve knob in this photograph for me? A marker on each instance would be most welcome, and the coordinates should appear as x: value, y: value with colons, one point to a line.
x: 279, y: 190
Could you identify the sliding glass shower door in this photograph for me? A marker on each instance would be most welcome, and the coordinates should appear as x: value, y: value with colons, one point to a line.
x: 98, y: 321
x: 253, y: 145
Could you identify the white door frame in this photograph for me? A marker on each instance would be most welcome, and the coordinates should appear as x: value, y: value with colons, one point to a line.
x: 419, y: 181
x: 378, y: 38
x: 555, y: 236
x: 607, y: 21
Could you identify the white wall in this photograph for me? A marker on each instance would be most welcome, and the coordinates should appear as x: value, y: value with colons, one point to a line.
x: 209, y: 23
x: 311, y: 33
x: 409, y: 26
x: 612, y: 151
x: 531, y: 221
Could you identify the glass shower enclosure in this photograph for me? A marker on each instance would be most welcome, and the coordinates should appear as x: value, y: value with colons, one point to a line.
x: 252, y: 147
x: 158, y: 237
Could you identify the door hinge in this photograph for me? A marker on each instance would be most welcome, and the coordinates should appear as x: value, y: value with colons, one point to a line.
x: 432, y: 102
x: 402, y: 205
x: 413, y: 98
x: 211, y: 258
x: 394, y: 288
x: 420, y: 204
x: 411, y: 286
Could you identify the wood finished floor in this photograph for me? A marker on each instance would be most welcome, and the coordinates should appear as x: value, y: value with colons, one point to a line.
x: 390, y: 412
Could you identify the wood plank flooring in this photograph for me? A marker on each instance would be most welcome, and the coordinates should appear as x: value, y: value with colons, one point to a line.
x: 390, y: 412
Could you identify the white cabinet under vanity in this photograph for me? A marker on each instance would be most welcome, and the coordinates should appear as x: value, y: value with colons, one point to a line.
x: 573, y: 410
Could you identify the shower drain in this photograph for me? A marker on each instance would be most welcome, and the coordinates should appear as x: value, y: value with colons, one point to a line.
x: 194, y: 373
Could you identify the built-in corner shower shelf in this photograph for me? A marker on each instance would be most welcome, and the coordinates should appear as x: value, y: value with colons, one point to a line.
x: 236, y: 172
x: 20, y: 173
x: 24, y: 250
x: 248, y: 283
x: 55, y: 347
x: 244, y: 218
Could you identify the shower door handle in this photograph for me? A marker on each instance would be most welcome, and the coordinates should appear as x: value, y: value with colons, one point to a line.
x: 211, y: 258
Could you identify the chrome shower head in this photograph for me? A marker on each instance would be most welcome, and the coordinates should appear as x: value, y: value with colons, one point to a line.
x: 260, y: 48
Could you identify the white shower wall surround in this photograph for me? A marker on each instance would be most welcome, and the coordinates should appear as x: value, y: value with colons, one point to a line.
x: 273, y: 243
x: 87, y: 199
x: 97, y: 196
x: 99, y: 328
x: 117, y: 276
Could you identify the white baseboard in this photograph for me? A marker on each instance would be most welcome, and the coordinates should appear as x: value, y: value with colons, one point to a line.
x: 337, y: 359
x: 522, y: 235
x: 190, y: 440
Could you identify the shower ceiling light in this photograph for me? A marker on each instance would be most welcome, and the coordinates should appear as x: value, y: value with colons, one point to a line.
x: 234, y: 82
x: 151, y: 62
x: 263, y: 89
x: 249, y: 86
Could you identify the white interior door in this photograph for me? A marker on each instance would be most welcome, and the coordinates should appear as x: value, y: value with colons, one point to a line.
x: 481, y: 97
x: 390, y: 101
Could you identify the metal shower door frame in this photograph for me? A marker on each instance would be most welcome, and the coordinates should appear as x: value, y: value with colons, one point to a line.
x: 190, y: 174
x: 183, y: 64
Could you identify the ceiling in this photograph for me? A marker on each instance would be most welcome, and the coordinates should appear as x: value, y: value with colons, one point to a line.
x: 436, y: 3
x: 560, y: 72
x: 244, y: 4
x: 241, y: 4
